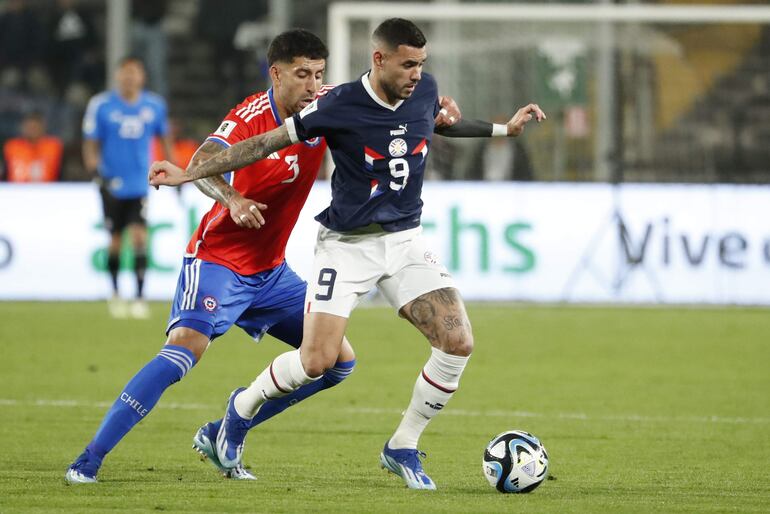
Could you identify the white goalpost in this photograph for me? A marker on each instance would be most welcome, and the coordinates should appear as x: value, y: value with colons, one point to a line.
x: 341, y: 14
x: 510, y: 27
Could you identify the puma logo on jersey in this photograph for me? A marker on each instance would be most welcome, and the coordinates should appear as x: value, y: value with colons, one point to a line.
x: 435, y: 406
x: 400, y: 132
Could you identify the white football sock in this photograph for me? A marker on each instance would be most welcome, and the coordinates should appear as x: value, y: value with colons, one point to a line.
x: 434, y: 387
x: 284, y: 375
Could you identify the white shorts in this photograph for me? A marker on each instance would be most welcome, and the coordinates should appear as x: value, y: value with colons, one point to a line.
x: 347, y: 266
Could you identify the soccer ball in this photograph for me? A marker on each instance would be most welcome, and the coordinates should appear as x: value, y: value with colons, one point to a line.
x: 515, y: 462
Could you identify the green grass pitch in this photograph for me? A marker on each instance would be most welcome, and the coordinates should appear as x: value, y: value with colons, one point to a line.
x: 641, y: 410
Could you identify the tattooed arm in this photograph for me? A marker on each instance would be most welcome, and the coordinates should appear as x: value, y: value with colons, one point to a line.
x: 241, y: 154
x: 243, y: 211
x: 217, y: 189
x: 214, y: 187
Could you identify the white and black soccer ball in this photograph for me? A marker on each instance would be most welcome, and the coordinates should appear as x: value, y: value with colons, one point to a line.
x: 515, y: 462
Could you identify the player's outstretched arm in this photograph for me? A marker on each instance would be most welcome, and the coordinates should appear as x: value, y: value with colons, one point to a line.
x: 163, y: 173
x: 524, y: 115
x: 243, y: 211
x: 478, y: 128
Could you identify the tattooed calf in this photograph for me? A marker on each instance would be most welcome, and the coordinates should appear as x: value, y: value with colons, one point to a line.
x: 452, y: 322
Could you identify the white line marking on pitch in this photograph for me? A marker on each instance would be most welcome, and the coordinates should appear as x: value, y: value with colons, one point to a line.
x: 577, y: 416
x: 100, y: 405
x: 451, y: 412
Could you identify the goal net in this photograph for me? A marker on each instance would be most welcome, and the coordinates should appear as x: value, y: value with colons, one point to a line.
x: 635, y: 92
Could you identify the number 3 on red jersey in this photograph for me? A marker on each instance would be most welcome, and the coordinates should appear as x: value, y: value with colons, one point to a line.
x: 293, y: 162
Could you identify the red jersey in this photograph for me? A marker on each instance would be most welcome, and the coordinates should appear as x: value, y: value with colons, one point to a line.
x: 282, y: 181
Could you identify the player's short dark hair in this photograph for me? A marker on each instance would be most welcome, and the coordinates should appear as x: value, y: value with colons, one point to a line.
x: 398, y: 31
x: 128, y: 59
x: 296, y: 43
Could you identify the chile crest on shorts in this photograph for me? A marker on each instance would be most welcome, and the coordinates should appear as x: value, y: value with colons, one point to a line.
x: 209, y: 303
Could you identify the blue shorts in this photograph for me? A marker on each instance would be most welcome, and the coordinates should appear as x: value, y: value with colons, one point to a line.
x: 211, y: 298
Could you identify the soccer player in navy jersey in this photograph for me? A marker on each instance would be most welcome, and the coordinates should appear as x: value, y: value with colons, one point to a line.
x: 233, y: 274
x: 378, y: 129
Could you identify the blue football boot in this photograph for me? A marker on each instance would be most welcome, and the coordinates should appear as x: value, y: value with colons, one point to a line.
x: 229, y: 441
x: 406, y: 464
x: 84, y: 469
x: 203, y: 443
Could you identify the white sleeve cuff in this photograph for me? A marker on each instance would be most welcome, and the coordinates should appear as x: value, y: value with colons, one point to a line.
x: 499, y: 130
x: 292, y: 129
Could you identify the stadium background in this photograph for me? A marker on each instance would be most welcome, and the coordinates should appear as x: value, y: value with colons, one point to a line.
x: 638, y: 102
x: 648, y: 184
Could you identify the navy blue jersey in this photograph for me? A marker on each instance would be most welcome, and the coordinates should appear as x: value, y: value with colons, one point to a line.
x: 379, y: 152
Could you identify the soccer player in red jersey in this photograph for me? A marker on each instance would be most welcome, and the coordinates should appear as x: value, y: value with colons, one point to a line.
x: 234, y: 274
x: 379, y: 131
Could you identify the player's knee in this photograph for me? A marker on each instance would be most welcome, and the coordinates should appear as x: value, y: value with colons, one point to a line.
x: 314, y: 368
x: 190, y: 339
x: 462, y: 347
x: 139, y: 235
x: 315, y: 363
x: 458, y: 340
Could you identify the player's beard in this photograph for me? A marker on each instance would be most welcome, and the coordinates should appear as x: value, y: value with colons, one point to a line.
x: 396, y: 92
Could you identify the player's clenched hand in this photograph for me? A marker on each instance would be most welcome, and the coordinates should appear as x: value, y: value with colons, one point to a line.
x: 449, y: 113
x: 163, y: 173
x: 525, y: 114
x: 246, y: 213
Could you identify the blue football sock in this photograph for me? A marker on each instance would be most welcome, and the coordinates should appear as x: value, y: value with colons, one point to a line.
x: 139, y: 397
x: 270, y: 408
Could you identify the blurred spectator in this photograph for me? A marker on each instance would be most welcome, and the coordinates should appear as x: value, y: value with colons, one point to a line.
x: 33, y: 156
x: 500, y: 158
x: 184, y: 147
x: 21, y: 37
x: 73, y: 53
x: 219, y: 27
x: 149, y: 42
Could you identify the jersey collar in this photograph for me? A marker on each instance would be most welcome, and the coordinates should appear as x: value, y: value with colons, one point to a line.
x: 373, y: 95
x: 273, y: 108
x: 139, y: 99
